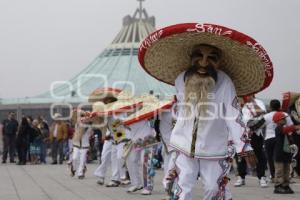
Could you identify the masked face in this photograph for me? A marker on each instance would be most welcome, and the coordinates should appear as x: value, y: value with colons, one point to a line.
x: 206, y: 59
x: 201, y: 77
x: 108, y: 100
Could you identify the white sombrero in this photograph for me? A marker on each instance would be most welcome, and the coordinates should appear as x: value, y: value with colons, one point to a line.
x: 151, y: 107
x: 125, y: 102
x: 165, y: 53
x: 289, y: 99
x: 101, y: 93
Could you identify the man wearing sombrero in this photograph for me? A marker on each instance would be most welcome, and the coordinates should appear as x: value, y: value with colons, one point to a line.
x: 210, y: 65
x: 81, y: 144
x: 134, y: 128
x: 143, y: 140
x: 103, y: 98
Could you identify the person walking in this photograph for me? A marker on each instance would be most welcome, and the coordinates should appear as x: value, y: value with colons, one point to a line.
x: 9, y: 130
x: 23, y: 137
x: 58, y: 134
x: 254, y: 108
x: 270, y: 138
x: 284, y: 149
x: 44, y: 129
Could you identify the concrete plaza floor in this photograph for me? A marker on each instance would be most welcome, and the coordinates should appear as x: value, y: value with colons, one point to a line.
x: 39, y: 182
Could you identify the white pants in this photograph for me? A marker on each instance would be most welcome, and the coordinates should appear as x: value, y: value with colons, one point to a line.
x: 132, y: 162
x: 105, y: 159
x: 117, y: 162
x: 70, y: 146
x: 79, y: 160
x: 169, y: 164
x: 211, y: 172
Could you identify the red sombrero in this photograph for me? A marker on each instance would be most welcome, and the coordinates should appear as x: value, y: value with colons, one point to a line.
x: 164, y: 54
x: 289, y: 99
x: 101, y: 93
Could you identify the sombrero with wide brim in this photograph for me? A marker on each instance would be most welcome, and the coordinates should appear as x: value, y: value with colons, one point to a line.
x: 150, y: 108
x: 289, y: 99
x: 126, y: 102
x: 165, y: 53
x: 101, y: 93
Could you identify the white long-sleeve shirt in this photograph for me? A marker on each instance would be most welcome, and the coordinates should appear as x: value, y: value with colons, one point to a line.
x: 140, y: 130
x: 226, y: 124
x: 270, y: 125
x: 166, y: 126
x: 249, y: 112
x: 84, y: 141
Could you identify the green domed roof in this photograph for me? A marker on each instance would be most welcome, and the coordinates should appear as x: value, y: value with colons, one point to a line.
x: 117, y: 66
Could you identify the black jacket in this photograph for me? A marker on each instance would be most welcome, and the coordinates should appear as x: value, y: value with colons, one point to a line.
x: 10, y: 127
x: 279, y: 154
x: 24, y: 134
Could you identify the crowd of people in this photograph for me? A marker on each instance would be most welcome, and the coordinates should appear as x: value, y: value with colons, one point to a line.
x: 34, y: 140
x: 275, y: 138
x: 31, y: 139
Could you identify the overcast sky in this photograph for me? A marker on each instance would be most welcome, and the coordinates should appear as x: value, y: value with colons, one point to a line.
x: 42, y: 41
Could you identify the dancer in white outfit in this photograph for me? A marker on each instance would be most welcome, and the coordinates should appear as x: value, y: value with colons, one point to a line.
x: 139, y: 131
x: 196, y: 57
x: 115, y: 137
x: 207, y: 142
x: 100, y: 172
x: 80, y: 148
x: 166, y: 121
x: 120, y: 135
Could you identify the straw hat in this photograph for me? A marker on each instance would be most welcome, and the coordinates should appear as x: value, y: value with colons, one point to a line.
x: 152, y: 106
x: 289, y: 99
x: 164, y: 54
x: 125, y: 102
x: 101, y: 93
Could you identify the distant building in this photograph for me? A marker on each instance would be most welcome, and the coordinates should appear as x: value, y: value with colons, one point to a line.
x: 117, y: 66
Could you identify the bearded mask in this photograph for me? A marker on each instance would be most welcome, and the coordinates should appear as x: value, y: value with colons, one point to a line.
x: 197, y: 89
x: 200, y: 79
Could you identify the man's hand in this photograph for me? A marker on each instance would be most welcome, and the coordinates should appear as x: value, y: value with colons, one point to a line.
x: 250, y: 158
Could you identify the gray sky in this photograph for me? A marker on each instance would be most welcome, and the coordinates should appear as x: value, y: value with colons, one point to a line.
x: 43, y: 41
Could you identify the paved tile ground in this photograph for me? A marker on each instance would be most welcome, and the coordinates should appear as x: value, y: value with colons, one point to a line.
x: 39, y: 182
